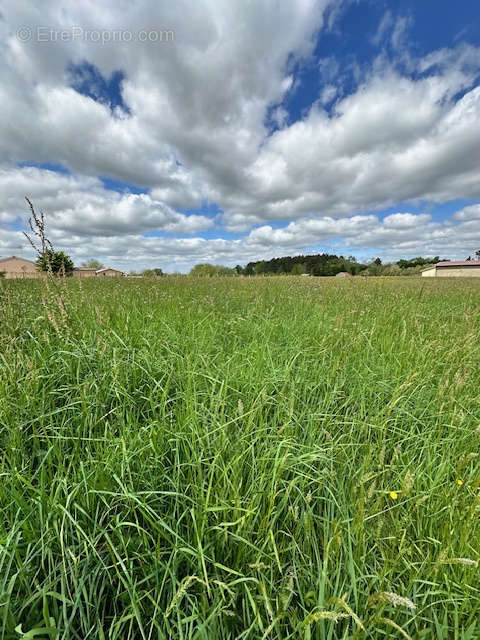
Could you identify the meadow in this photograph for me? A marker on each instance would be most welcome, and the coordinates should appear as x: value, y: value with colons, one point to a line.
x: 235, y: 458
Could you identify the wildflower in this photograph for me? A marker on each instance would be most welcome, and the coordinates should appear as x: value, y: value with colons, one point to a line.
x: 393, y: 495
x: 459, y: 482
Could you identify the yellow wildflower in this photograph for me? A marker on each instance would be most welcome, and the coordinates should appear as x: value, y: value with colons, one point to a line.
x: 459, y: 482
x: 393, y: 495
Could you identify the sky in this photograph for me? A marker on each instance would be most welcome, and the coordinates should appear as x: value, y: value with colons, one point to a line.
x: 167, y: 134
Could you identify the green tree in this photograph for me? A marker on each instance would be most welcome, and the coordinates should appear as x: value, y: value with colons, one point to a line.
x: 206, y: 270
x: 378, y: 262
x: 56, y: 261
x: 298, y: 269
x: 92, y: 264
x: 152, y: 273
x: 260, y: 267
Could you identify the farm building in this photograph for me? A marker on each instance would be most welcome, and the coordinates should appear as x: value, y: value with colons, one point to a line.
x: 463, y: 269
x: 84, y: 272
x: 87, y: 272
x: 109, y: 272
x: 14, y: 267
x: 343, y: 274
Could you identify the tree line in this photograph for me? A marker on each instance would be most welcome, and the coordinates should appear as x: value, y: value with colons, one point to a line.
x: 320, y: 264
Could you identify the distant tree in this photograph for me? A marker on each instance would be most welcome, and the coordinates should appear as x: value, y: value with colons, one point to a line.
x: 378, y: 262
x: 92, y: 264
x: 260, y: 268
x: 55, y: 261
x: 417, y: 262
x: 298, y: 269
x: 323, y: 264
x: 151, y: 273
x: 211, y: 270
x: 477, y: 254
x: 239, y: 269
x: 2, y: 274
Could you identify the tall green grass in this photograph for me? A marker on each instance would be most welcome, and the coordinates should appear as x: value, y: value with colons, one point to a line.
x: 240, y: 458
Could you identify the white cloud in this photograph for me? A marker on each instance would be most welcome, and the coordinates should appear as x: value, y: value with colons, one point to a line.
x: 392, y: 31
x: 395, y: 139
x: 196, y: 99
x: 385, y: 25
x: 468, y: 214
x: 81, y: 205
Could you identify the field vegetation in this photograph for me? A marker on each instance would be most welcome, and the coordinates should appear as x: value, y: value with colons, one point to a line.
x: 240, y: 458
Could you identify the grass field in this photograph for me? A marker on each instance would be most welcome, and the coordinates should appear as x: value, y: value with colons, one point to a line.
x: 240, y: 458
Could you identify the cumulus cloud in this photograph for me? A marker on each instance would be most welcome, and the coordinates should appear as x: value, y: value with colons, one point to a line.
x: 196, y: 99
x: 81, y: 205
x: 393, y: 140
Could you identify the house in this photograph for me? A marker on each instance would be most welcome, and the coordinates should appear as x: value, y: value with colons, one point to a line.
x: 462, y: 269
x: 87, y: 272
x: 14, y: 267
x: 109, y: 273
x: 343, y: 274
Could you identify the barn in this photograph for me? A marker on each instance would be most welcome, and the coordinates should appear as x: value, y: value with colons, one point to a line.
x: 462, y: 269
x: 14, y: 267
x: 84, y: 272
x: 109, y: 273
x: 87, y: 272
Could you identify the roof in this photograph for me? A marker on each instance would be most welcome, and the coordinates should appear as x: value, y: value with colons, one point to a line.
x: 16, y: 258
x: 108, y: 269
x: 461, y: 263
x: 453, y: 263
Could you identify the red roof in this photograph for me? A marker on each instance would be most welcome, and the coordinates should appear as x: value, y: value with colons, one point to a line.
x: 461, y: 263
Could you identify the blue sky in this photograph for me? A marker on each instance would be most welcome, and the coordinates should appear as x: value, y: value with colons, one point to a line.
x: 258, y: 131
